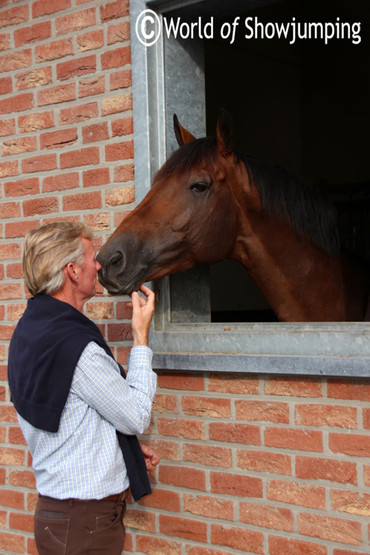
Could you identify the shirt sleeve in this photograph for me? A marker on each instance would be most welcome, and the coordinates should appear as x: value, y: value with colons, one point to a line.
x: 126, y: 403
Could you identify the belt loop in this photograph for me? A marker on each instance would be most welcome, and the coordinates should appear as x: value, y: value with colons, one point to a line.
x: 70, y: 502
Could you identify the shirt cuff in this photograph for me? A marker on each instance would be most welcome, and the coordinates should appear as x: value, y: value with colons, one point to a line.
x: 141, y: 353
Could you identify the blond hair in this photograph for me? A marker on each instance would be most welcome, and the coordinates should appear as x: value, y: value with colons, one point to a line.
x: 46, y: 252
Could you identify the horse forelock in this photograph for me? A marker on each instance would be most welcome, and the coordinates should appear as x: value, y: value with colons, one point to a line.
x: 197, y: 154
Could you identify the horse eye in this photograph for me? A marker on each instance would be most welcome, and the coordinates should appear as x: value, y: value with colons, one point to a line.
x: 199, y: 187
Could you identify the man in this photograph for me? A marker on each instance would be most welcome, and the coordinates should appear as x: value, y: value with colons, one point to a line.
x: 78, y: 414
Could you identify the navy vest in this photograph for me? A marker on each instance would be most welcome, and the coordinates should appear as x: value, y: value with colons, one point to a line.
x: 45, y: 348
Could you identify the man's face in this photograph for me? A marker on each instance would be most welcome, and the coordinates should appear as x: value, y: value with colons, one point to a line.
x: 88, y: 271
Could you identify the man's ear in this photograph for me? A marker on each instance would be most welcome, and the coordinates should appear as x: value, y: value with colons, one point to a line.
x: 71, y: 270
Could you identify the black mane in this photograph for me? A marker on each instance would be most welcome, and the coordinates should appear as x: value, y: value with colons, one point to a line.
x: 282, y: 195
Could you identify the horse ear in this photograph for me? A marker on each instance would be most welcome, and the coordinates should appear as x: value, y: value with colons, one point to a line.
x: 225, y: 133
x: 182, y: 135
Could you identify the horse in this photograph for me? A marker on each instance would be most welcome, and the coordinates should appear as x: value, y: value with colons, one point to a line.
x: 209, y: 202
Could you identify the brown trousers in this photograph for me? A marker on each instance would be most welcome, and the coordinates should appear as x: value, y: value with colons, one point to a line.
x: 75, y: 527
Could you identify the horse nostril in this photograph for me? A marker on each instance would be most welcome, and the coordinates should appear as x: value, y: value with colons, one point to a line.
x: 116, y: 259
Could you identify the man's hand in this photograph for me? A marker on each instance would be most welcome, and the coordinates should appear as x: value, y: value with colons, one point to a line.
x: 142, y: 314
x: 151, y: 459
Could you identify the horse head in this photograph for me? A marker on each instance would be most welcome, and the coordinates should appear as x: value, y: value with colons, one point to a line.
x: 188, y: 217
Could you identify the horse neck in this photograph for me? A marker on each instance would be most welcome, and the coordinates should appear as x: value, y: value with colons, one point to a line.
x: 300, y: 281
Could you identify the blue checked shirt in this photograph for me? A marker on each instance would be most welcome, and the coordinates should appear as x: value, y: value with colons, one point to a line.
x: 83, y: 459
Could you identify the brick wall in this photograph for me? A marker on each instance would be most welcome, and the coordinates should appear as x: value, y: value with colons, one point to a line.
x: 248, y: 464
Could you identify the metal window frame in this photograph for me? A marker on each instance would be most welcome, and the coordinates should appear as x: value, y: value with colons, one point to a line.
x: 326, y: 349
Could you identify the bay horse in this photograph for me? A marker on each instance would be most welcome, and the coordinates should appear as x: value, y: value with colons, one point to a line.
x: 208, y: 203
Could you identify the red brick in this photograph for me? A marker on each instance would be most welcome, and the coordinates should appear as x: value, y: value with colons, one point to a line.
x: 169, y: 380
x: 113, y: 10
x: 8, y: 169
x: 122, y: 127
x: 91, y: 86
x: 22, y: 187
x: 119, y: 32
x: 60, y: 182
x: 98, y: 222
x: 77, y: 114
x: 18, y: 103
x: 41, y: 205
x: 183, y: 477
x: 5, y: 41
x: 237, y: 538
x: 350, y: 444
x: 301, y: 440
x: 14, y: 16
x: 326, y: 415
x: 165, y: 403
x: 162, y: 499
x: 95, y: 132
x: 19, y: 521
x: 264, y: 461
x: 119, y: 332
x: 206, y: 506
x: 14, y: 60
x: 266, y: 516
x: 13, y: 543
x: 179, y: 427
x: 76, y: 67
x: 34, y: 78
x: 357, y: 390
x: 236, y: 485
x: 328, y: 528
x: 95, y: 177
x: 84, y: 201
x: 37, y: 32
x: 120, y: 79
x: 235, y: 433
x: 10, y: 291
x: 286, y: 546
x: 314, y: 468
x: 58, y: 139
x: 91, y: 40
x: 264, y: 411
x: 14, y: 271
x: 45, y: 7
x: 352, y: 502
x: 75, y: 21
x: 156, y: 546
x: 140, y: 520
x: 12, y: 498
x: 193, y: 530
x: 54, y: 50
x: 296, y: 493
x: 119, y: 151
x: 7, y: 127
x: 10, y: 456
x: 57, y: 94
x: 116, y: 58
x: 293, y: 387
x: 205, y: 406
x: 116, y: 104
x: 35, y: 122
x: 18, y: 146
x: 347, y: 552
x: 10, y: 210
x: 208, y: 455
x: 15, y: 311
x: 120, y: 195
x: 6, y: 85
x: 10, y: 251
x: 41, y: 163
x: 82, y: 157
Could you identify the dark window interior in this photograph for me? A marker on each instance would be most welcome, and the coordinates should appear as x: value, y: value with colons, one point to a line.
x: 304, y: 106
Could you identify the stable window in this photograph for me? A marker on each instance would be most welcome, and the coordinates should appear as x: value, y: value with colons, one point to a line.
x: 291, y: 103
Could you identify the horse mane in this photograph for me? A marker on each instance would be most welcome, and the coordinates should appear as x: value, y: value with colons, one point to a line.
x: 283, y: 196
